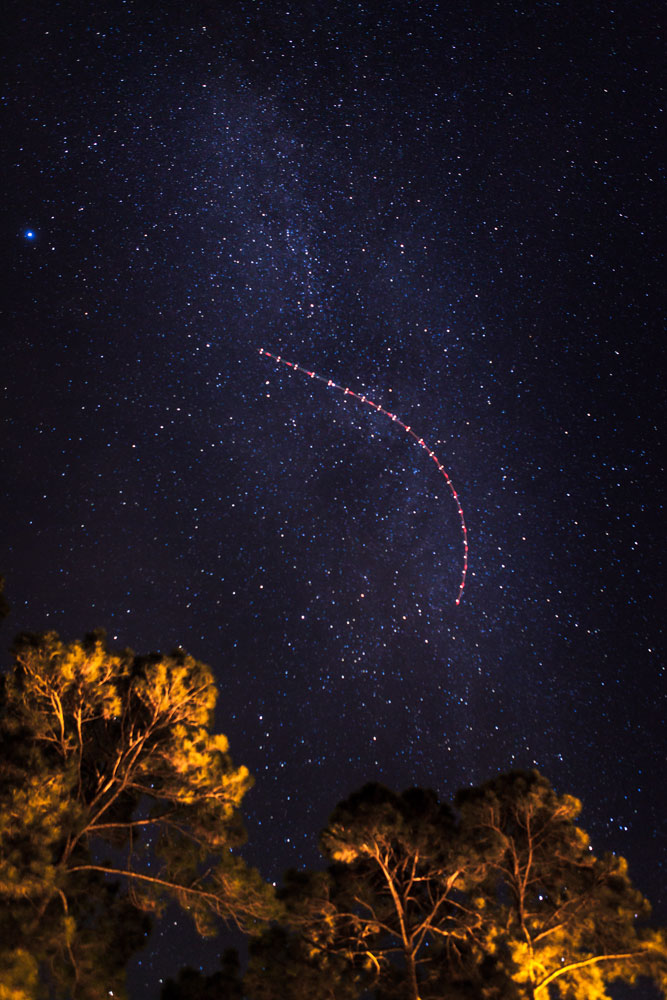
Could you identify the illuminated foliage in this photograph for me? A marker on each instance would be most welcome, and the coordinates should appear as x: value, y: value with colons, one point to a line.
x: 390, y: 913
x: 562, y: 922
x: 501, y: 899
x: 115, y: 799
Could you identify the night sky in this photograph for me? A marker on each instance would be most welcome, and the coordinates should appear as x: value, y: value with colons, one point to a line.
x: 453, y: 212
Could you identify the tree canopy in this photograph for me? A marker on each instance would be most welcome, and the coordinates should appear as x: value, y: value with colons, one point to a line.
x: 500, y: 898
x: 115, y: 798
x: 559, y: 920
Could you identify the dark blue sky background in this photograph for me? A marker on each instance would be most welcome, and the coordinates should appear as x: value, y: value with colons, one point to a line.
x: 455, y: 212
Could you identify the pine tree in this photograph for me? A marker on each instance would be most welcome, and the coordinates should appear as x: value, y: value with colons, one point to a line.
x: 561, y: 921
x: 115, y: 798
x: 499, y: 899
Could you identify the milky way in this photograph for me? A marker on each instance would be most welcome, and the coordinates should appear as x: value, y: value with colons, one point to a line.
x: 452, y: 214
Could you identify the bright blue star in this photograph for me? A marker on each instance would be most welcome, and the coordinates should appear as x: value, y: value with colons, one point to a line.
x: 29, y: 234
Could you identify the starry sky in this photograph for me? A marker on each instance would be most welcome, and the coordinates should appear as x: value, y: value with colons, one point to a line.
x: 451, y: 209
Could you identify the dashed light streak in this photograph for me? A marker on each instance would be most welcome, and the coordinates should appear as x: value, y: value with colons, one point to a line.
x: 420, y: 441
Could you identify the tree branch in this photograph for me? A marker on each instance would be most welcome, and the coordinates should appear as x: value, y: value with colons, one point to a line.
x: 573, y: 966
x: 212, y: 899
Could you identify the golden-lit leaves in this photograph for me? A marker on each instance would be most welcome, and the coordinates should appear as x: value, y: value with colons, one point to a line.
x: 65, y: 686
x: 175, y: 689
x: 346, y: 854
x: 18, y: 975
x: 568, y: 920
x: 104, y: 749
x: 504, y: 899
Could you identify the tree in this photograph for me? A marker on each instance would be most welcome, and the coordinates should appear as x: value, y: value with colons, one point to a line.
x: 115, y: 799
x: 501, y: 899
x: 391, y: 911
x: 560, y: 920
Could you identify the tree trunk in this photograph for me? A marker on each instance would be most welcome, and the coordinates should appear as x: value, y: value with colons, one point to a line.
x: 413, y: 987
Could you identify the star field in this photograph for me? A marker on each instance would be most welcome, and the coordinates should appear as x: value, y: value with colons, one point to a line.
x: 454, y: 213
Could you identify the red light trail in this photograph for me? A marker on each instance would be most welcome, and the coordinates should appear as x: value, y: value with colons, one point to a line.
x: 392, y: 416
